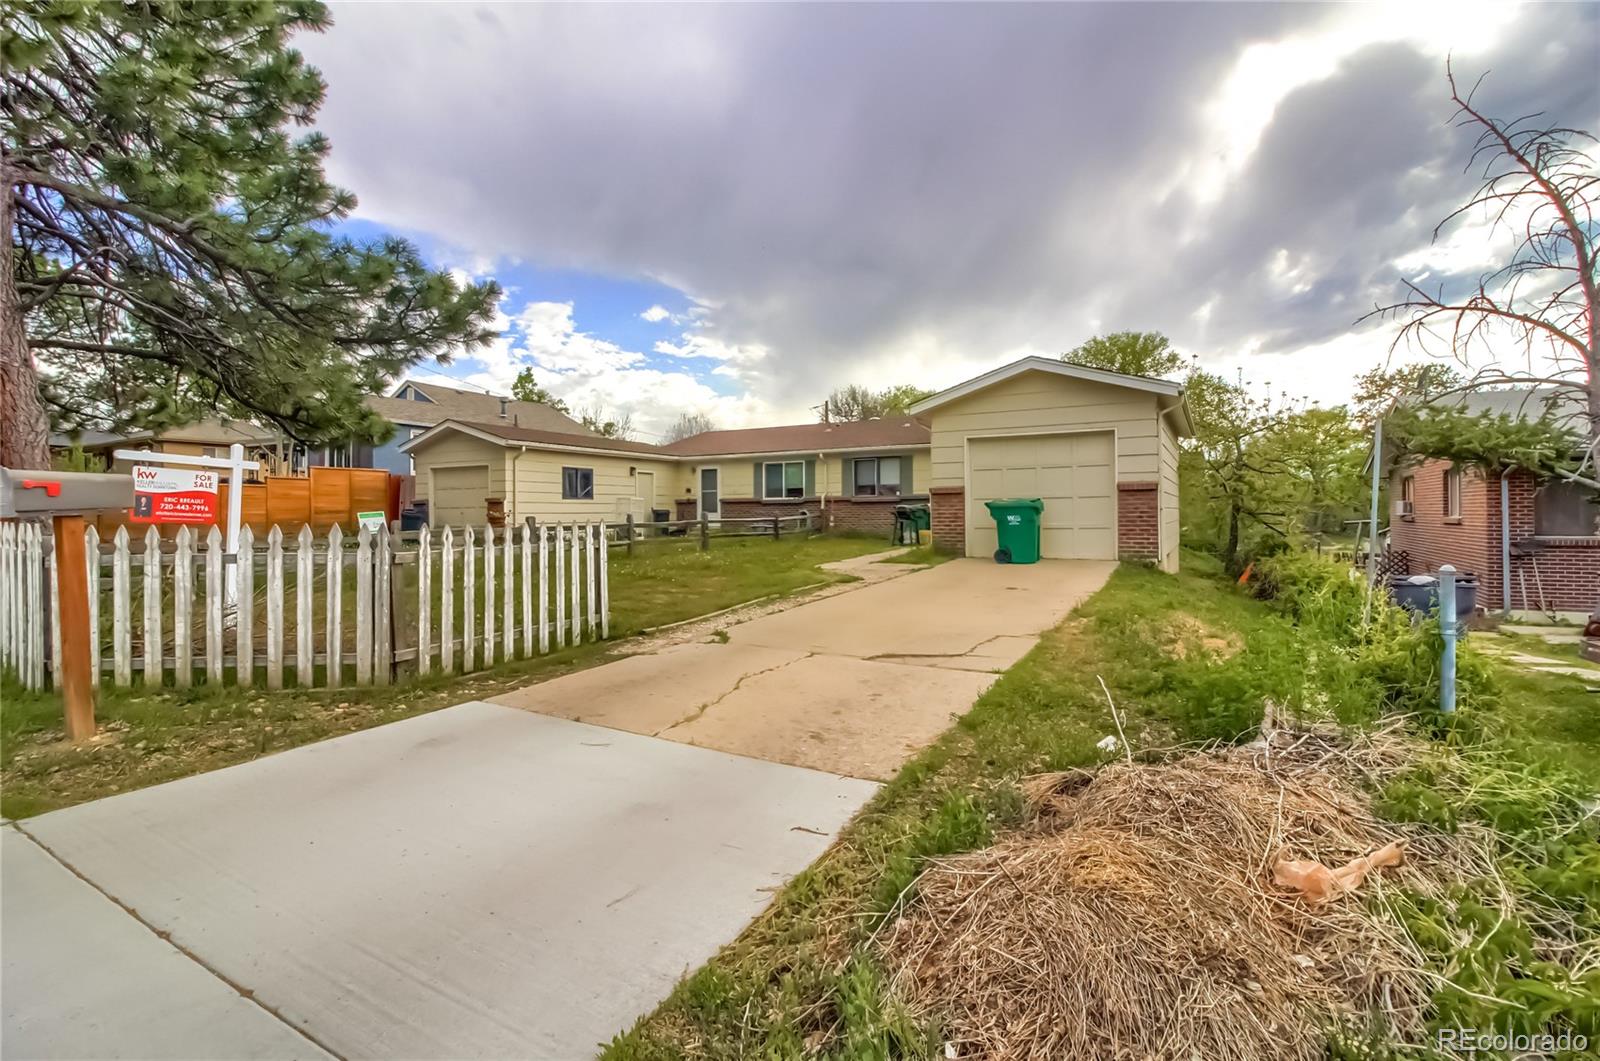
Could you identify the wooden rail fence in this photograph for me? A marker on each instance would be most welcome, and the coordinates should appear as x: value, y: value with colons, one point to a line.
x: 316, y: 611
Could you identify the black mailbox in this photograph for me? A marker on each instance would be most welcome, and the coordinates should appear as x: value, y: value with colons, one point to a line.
x: 44, y: 493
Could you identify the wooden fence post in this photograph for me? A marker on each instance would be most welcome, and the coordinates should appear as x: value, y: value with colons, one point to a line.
x: 72, y: 627
x: 304, y: 585
x: 364, y: 607
x: 447, y: 601
x: 777, y: 527
x: 244, y: 613
x: 183, y: 608
x: 629, y: 531
x: 424, y: 601
x: 121, y: 599
x: 469, y: 601
x: 508, y: 605
x: 91, y: 559
x: 383, y: 609
x: 214, y: 594
x: 561, y: 584
x: 333, y: 589
x: 543, y: 589
x: 605, y: 585
x: 705, y: 533
x: 489, y: 581
x: 153, y: 646
x: 593, y: 541
x: 528, y: 582
x: 275, y: 608
x: 577, y: 591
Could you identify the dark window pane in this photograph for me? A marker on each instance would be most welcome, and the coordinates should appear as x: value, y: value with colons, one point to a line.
x: 1565, y: 510
x: 794, y: 479
x: 866, y: 477
x: 774, y: 480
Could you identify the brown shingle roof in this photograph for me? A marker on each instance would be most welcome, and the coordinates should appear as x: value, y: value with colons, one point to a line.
x: 805, y: 438
x: 451, y: 404
x: 511, y: 433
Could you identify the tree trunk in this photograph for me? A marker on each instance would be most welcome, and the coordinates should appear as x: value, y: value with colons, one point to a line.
x: 1230, y: 555
x: 24, y: 428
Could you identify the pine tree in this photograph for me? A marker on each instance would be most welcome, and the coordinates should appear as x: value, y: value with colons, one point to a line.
x: 171, y: 236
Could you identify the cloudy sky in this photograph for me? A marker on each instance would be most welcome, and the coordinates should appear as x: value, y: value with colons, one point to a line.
x: 734, y: 209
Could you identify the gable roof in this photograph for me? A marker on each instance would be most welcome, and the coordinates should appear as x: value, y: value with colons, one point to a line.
x: 1524, y: 403
x: 896, y: 433
x: 448, y: 403
x: 504, y: 434
x: 887, y: 433
x: 1169, y: 395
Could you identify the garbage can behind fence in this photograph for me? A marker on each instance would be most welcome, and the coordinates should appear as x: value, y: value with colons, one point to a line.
x: 1016, y: 522
x: 1420, y: 593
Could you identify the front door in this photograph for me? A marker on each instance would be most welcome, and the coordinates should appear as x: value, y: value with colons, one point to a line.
x: 710, y: 494
x: 644, y: 496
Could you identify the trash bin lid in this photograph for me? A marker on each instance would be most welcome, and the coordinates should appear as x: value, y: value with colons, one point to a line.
x: 1000, y: 503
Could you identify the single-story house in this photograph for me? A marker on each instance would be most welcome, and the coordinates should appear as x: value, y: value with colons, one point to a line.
x: 203, y: 438
x: 1100, y: 448
x: 1444, y: 514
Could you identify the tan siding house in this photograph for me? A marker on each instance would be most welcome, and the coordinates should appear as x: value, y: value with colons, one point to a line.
x: 1099, y: 448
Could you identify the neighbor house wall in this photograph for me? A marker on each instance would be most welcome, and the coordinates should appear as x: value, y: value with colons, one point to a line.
x: 1562, y: 574
x: 455, y: 450
x: 536, y: 489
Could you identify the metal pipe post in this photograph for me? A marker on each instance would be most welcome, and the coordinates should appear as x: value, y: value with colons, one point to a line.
x: 1447, y: 627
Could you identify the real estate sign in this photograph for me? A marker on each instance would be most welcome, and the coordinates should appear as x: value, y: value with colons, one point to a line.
x: 174, y: 495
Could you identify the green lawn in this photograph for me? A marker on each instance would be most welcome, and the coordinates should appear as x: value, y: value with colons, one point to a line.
x: 155, y: 735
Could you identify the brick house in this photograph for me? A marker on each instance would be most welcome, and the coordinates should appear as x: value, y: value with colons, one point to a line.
x: 1441, y: 513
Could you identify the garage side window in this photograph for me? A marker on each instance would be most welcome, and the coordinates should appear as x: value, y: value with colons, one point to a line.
x: 577, y: 484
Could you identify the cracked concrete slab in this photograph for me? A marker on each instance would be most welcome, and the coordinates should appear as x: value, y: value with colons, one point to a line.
x: 648, y: 693
x: 845, y: 716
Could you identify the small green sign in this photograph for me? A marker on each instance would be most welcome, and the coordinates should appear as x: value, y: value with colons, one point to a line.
x: 372, y: 521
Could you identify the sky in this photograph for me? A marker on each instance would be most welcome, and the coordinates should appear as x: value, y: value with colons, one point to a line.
x: 733, y: 210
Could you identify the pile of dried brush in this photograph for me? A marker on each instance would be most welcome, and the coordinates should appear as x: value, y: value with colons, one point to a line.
x: 1137, y: 918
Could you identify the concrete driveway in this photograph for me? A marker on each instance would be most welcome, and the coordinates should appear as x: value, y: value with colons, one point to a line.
x: 478, y: 882
x: 854, y: 684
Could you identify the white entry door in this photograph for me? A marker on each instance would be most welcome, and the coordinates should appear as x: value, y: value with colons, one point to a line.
x: 710, y: 492
x: 644, y: 496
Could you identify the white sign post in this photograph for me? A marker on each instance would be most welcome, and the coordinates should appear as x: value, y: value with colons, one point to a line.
x: 235, y: 466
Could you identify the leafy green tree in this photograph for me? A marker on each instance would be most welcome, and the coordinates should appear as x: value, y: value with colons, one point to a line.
x: 1382, y: 389
x: 526, y: 388
x: 855, y: 402
x: 605, y: 424
x: 170, y: 235
x: 1131, y: 353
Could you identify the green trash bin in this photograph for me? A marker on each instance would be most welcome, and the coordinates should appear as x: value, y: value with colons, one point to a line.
x: 1016, y: 521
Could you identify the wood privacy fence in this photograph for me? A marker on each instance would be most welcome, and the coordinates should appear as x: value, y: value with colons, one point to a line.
x: 321, y: 499
x: 318, y: 611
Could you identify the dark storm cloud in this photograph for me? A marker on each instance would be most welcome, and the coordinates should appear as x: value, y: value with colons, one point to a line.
x: 839, y: 179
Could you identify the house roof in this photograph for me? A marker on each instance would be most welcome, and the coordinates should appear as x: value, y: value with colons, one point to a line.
x: 1169, y: 395
x: 504, y: 434
x: 894, y: 433
x: 887, y: 433
x: 1524, y: 403
x: 449, y: 403
x: 212, y: 432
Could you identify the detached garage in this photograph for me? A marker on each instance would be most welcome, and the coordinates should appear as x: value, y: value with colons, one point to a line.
x: 1099, y: 448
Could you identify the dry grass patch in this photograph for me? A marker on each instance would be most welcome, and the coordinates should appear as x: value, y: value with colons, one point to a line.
x: 1182, y: 634
x: 1134, y: 916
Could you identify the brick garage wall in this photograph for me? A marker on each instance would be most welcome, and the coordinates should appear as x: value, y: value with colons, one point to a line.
x: 873, y: 515
x: 1568, y: 568
x: 1138, y: 521
x: 949, y: 512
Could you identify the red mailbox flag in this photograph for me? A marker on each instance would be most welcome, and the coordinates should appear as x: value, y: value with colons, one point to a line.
x: 174, y: 495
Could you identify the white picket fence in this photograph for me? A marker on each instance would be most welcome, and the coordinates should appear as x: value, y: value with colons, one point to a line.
x: 316, y: 611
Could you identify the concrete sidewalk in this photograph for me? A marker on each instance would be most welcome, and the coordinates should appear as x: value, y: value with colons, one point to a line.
x: 854, y: 684
x: 475, y: 882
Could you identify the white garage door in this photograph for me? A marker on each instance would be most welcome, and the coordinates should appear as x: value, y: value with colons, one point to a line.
x: 1075, y: 475
x: 458, y: 496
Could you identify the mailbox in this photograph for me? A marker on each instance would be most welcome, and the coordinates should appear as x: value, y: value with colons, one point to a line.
x: 44, y: 493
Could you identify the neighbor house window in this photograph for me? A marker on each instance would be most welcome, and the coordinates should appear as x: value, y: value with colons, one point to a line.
x: 783, y: 479
x: 877, y: 477
x: 1452, y: 493
x: 337, y: 456
x: 577, y: 484
x: 1565, y: 510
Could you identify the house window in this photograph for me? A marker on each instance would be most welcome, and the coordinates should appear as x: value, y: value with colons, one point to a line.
x: 877, y: 477
x: 783, y: 479
x: 337, y: 456
x: 1565, y: 510
x: 577, y: 484
x: 1452, y: 493
x: 1408, y: 489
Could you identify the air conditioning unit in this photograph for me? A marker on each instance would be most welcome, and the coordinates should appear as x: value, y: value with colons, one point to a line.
x: 1403, y: 509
